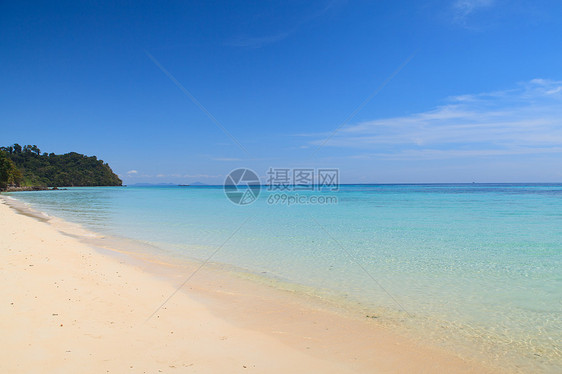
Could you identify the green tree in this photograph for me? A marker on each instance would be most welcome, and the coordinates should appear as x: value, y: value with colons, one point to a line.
x: 49, y: 169
x: 9, y: 174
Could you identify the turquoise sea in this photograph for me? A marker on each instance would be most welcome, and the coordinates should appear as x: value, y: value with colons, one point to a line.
x: 477, y: 266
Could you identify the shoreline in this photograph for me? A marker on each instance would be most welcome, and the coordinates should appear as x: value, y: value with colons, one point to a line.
x: 319, y: 335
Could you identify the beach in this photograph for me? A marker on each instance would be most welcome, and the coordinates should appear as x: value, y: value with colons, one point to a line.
x: 68, y: 307
x: 281, y: 187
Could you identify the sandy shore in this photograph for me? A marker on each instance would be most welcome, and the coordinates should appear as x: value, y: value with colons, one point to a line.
x: 66, y: 307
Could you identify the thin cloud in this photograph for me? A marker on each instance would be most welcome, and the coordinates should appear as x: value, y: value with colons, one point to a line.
x: 131, y: 172
x: 181, y: 175
x: 262, y: 40
x: 226, y: 159
x: 259, y: 41
x: 461, y: 11
x: 437, y: 154
x: 463, y: 8
x: 523, y: 120
x: 206, y: 176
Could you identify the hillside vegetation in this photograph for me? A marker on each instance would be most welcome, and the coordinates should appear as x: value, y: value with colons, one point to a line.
x: 26, y: 166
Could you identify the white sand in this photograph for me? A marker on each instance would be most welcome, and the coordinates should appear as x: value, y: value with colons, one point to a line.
x: 67, y: 308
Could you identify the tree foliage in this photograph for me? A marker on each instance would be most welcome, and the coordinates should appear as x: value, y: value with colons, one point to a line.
x: 9, y: 174
x: 51, y: 170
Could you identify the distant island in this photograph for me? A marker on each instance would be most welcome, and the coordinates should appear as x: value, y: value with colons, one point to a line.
x: 27, y: 167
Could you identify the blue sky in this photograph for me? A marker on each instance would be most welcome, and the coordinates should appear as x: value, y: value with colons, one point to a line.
x: 386, y: 91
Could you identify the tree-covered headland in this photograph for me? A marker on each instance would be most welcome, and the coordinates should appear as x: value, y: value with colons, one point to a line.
x: 27, y: 167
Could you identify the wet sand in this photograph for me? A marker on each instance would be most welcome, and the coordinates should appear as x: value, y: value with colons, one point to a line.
x: 69, y: 305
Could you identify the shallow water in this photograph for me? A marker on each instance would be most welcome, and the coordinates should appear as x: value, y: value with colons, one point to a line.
x: 476, y: 264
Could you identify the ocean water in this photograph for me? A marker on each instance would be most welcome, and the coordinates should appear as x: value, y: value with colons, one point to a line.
x: 476, y: 266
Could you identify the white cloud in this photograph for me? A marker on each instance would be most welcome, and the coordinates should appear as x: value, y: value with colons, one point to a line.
x: 226, y: 159
x: 520, y: 121
x: 202, y: 176
x: 260, y: 41
x: 463, y: 8
x: 177, y: 175
x: 131, y: 172
x: 464, y: 13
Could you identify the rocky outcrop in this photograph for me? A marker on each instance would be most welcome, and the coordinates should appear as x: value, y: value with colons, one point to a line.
x: 27, y: 188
